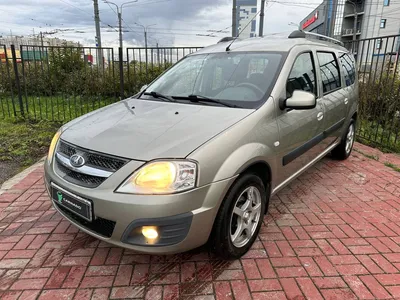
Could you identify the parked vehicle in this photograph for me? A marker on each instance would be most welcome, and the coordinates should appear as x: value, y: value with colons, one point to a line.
x: 197, y: 155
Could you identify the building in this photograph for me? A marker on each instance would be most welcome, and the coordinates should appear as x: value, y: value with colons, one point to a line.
x: 336, y: 18
x: 373, y: 20
x: 246, y: 10
x: 17, y: 41
x: 316, y: 21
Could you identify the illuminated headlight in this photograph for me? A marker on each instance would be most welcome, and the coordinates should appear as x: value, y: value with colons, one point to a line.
x: 53, y: 145
x: 161, y: 177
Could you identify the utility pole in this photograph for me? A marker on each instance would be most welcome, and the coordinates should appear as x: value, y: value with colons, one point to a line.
x: 42, y: 48
x: 41, y: 39
x: 98, y: 33
x: 234, y: 19
x: 120, y: 29
x: 261, y: 31
x: 119, y: 14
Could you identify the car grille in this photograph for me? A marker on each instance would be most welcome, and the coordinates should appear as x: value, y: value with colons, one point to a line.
x: 100, y: 226
x: 78, y: 178
x: 94, y: 160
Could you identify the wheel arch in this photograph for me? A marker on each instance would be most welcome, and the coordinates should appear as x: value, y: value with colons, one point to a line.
x: 260, y: 168
x: 263, y: 170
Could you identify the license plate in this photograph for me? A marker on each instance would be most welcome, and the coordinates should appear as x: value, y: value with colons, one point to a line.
x: 73, y: 203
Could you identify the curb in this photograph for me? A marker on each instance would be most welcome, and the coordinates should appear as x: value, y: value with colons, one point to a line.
x: 20, y: 176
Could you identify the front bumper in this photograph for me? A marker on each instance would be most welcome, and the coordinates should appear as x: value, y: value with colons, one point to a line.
x: 190, y: 214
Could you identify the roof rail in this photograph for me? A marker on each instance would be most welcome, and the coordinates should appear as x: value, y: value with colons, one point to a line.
x: 226, y: 39
x: 305, y: 34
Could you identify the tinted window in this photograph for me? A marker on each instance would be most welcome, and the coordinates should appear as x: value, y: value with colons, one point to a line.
x: 349, y: 71
x: 237, y: 78
x: 329, y: 71
x: 386, y: 2
x: 302, y: 76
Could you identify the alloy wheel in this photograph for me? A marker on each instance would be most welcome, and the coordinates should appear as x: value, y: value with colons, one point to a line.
x: 245, y: 216
x: 350, y: 138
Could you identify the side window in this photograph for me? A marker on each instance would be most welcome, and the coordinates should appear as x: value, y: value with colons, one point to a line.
x: 302, y: 76
x: 329, y: 71
x: 349, y: 69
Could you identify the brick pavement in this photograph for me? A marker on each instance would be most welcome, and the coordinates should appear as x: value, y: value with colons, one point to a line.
x: 333, y: 234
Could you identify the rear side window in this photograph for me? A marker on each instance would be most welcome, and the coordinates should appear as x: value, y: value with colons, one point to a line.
x: 329, y: 71
x: 349, y: 68
x: 302, y: 76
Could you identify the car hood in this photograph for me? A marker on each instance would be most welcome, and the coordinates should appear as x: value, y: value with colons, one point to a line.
x: 146, y: 130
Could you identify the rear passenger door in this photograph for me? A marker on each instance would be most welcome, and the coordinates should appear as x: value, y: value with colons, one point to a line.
x: 334, y: 98
x: 347, y: 62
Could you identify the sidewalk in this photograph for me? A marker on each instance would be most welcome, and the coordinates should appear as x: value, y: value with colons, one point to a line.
x: 334, y: 233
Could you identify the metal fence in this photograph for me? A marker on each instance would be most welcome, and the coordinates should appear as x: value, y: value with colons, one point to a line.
x: 158, y: 60
x: 379, y: 82
x: 61, y: 83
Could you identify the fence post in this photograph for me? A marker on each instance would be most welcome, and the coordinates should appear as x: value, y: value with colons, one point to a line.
x: 14, y: 59
x: 121, y: 74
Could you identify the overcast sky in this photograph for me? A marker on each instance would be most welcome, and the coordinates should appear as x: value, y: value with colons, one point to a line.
x: 177, y: 21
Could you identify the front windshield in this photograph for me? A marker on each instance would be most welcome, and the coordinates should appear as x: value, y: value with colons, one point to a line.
x: 241, y: 79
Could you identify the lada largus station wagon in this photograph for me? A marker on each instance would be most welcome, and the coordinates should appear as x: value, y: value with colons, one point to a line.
x: 196, y: 155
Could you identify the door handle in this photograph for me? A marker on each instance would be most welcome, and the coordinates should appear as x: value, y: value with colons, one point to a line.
x: 320, y: 116
x: 346, y: 100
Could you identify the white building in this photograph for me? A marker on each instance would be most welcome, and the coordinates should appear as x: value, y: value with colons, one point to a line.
x: 246, y: 10
x: 34, y: 41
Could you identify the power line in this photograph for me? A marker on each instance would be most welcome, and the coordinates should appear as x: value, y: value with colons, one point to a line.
x: 77, y: 7
x: 146, y: 3
x: 72, y: 5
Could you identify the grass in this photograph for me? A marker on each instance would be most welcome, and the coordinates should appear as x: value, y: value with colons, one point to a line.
x: 386, y: 139
x: 24, y: 142
x: 394, y: 167
x: 370, y: 156
x: 58, y: 108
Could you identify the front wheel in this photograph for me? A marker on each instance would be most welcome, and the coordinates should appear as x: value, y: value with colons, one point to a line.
x: 343, y: 150
x: 239, y: 218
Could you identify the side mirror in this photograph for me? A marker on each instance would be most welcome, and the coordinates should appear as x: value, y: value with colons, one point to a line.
x: 300, y: 100
x: 143, y: 88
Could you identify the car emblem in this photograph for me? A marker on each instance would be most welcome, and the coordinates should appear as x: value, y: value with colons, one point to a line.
x: 77, y: 160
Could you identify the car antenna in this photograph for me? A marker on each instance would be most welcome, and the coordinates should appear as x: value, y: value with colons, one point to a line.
x: 229, y: 46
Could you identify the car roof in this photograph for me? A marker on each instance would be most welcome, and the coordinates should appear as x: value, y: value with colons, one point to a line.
x: 271, y: 43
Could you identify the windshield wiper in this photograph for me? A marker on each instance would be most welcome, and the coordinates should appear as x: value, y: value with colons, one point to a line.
x: 198, y: 98
x: 161, y: 96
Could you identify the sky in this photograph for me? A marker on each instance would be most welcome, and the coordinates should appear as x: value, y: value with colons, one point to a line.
x: 177, y: 22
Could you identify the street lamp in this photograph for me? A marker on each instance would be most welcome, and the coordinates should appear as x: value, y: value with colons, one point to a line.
x: 145, y: 28
x: 119, y: 11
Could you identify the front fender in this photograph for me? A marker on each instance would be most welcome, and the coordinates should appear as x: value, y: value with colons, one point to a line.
x: 244, y: 157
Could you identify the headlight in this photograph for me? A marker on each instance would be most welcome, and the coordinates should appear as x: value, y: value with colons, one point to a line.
x: 161, y: 177
x: 53, y: 145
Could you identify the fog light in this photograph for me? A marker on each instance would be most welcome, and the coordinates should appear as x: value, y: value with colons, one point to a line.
x: 150, y: 232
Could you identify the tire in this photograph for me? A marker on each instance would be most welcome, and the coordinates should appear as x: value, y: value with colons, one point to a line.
x: 226, y: 224
x: 343, y: 150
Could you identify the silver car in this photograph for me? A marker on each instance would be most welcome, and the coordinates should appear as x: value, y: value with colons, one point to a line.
x: 197, y: 154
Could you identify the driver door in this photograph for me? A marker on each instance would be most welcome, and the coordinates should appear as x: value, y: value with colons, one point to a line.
x: 301, y: 131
